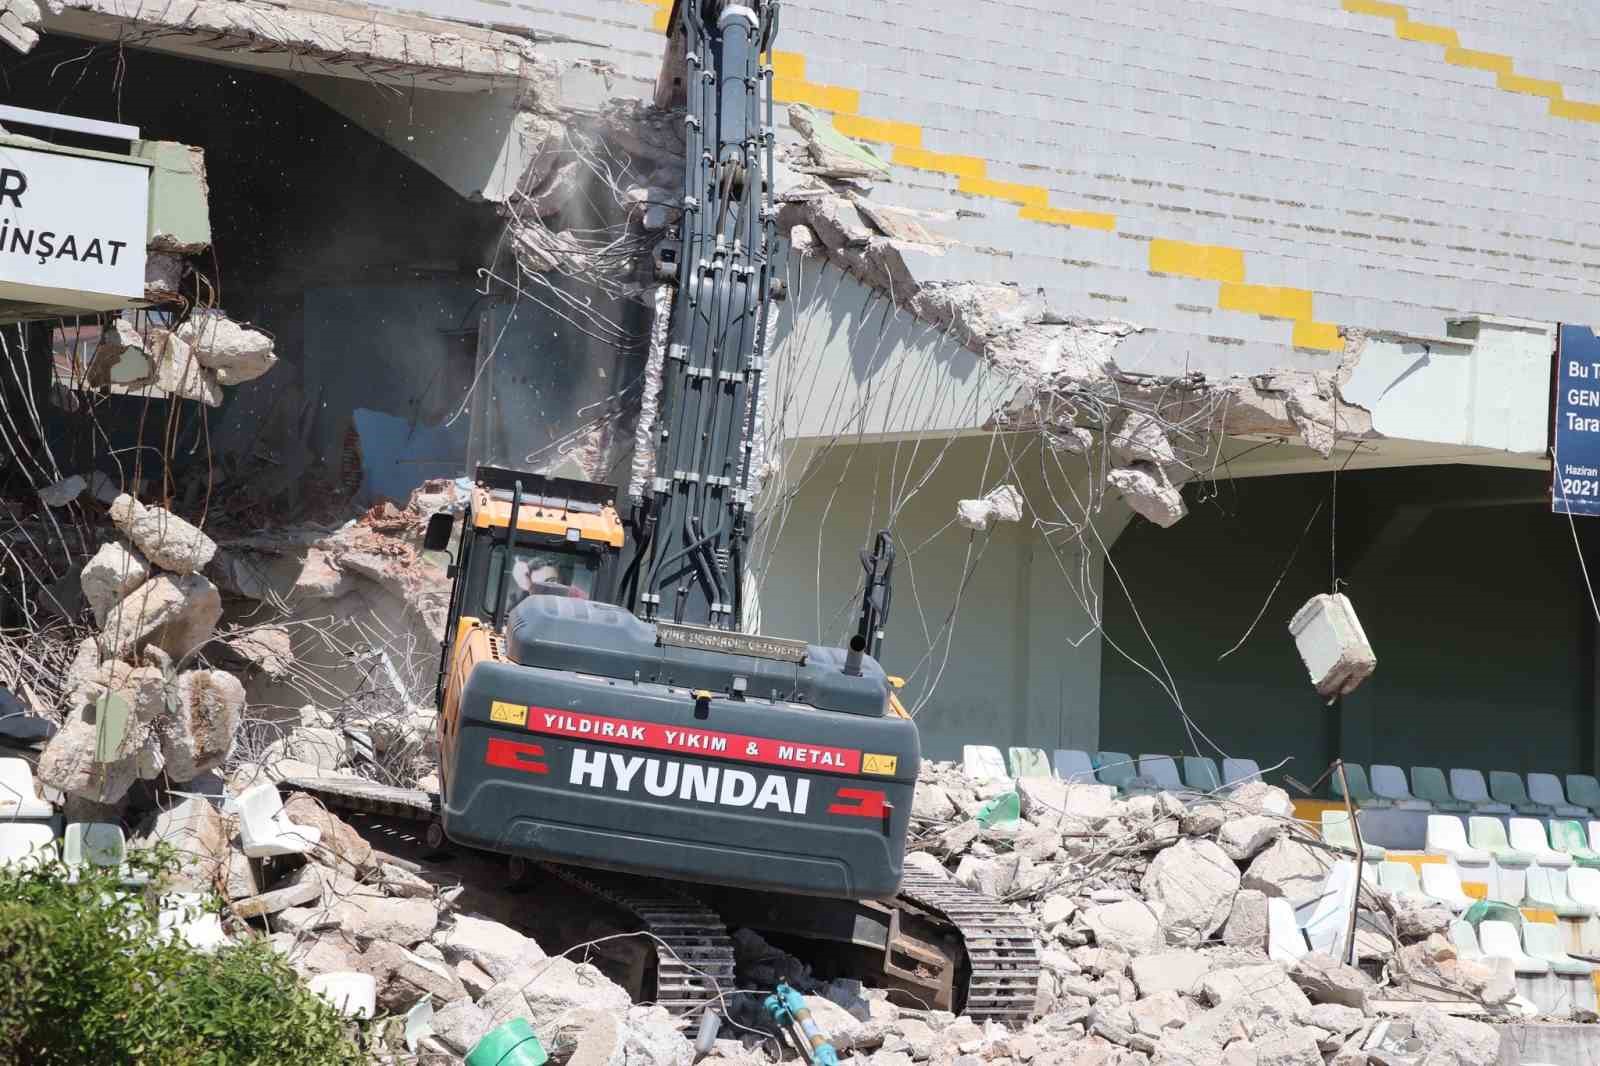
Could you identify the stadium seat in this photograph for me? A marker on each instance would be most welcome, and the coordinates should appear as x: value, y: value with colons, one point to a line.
x: 18, y: 802
x: 1527, y: 834
x: 1470, y: 787
x: 1361, y: 793
x: 1569, y: 836
x: 1441, y: 882
x: 265, y: 828
x: 1583, y: 790
x: 1576, y: 978
x: 1401, y: 879
x: 1029, y: 762
x: 1428, y: 783
x: 21, y: 842
x: 1200, y: 774
x: 1118, y: 768
x: 1074, y: 765
x: 1547, y: 889
x: 1236, y: 772
x: 1389, y: 782
x: 983, y: 762
x: 355, y: 995
x: 1447, y: 836
x: 1507, y: 787
x: 1465, y: 940
x: 1500, y: 941
x: 1546, y: 789
x: 1487, y: 833
x: 1162, y: 770
x: 1583, y: 885
x: 1336, y: 831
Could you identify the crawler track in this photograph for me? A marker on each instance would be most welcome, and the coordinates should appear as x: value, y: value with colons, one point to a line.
x: 1001, y: 951
x: 698, y: 963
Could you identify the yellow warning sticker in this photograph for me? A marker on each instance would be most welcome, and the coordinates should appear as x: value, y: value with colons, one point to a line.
x: 510, y: 713
x: 879, y: 764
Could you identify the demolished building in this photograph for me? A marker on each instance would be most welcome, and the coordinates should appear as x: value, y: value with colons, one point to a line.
x: 1130, y: 364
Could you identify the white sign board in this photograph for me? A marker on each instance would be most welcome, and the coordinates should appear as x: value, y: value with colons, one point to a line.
x: 72, y: 228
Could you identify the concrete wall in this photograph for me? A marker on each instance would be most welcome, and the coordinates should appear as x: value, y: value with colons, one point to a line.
x: 1467, y: 586
x: 1021, y: 663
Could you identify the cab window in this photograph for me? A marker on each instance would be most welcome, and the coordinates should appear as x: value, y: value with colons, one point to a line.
x: 543, y: 570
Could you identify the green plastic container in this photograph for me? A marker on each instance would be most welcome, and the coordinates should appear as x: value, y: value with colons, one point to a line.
x: 511, y: 1044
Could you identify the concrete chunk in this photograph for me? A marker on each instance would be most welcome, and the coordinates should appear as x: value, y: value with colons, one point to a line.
x: 109, y: 576
x: 1192, y: 883
x: 1332, y: 644
x: 165, y: 539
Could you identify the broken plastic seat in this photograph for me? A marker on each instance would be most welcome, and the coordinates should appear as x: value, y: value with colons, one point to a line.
x: 265, y: 828
x: 1389, y: 782
x: 22, y: 842
x: 1507, y: 787
x: 1326, y: 914
x: 1029, y: 762
x: 183, y: 915
x: 1236, y: 772
x: 983, y: 762
x: 1336, y: 830
x: 18, y: 801
x: 355, y: 995
x: 1547, y: 890
x: 1570, y: 837
x: 1074, y: 765
x: 1428, y: 784
x: 1583, y: 790
x: 1286, y: 941
x: 1162, y: 770
x: 1470, y: 787
x: 1200, y: 773
x: 1361, y: 793
x: 1442, y: 884
x: 1546, y: 789
x: 1527, y: 834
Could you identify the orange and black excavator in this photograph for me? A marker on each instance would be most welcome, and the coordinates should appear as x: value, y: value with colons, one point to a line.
x: 602, y: 712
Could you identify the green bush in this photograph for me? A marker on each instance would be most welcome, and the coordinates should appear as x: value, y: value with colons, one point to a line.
x: 86, y: 979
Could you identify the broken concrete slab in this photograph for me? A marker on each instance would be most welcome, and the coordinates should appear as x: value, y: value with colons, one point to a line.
x: 63, y: 492
x: 1146, y: 488
x: 403, y: 977
x: 109, y: 575
x: 1247, y: 924
x: 1288, y: 868
x: 1263, y: 985
x: 1326, y: 980
x: 177, y: 613
x: 235, y: 352
x: 1002, y: 504
x: 545, y: 991
x: 1244, y: 838
x: 496, y: 948
x: 199, y: 732
x: 338, y: 845
x: 1192, y: 885
x: 1131, y: 925
x: 199, y: 834
x: 300, y: 889
x: 168, y: 541
x: 831, y: 153
x: 402, y: 921
x: 270, y: 648
x: 460, y: 1024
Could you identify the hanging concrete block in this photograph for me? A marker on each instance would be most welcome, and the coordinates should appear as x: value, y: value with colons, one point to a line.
x: 1332, y: 644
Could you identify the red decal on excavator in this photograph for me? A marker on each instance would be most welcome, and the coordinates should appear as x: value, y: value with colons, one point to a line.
x: 514, y: 755
x: 765, y: 750
x: 870, y: 803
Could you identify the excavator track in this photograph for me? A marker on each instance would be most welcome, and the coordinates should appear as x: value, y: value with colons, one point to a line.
x: 697, y: 967
x: 694, y: 953
x: 1002, y: 953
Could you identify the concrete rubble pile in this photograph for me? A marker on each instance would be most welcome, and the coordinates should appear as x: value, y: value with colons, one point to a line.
x: 1151, y: 913
x: 154, y: 610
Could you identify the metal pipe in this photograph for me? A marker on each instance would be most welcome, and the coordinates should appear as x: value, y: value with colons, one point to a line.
x: 1355, y: 899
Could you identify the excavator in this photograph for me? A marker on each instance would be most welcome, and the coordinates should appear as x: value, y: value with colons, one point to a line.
x: 605, y: 720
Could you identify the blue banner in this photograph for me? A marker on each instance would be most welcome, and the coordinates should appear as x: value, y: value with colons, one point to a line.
x: 1575, y: 466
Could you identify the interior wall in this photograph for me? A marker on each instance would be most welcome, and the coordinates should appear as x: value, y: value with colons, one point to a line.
x: 1467, y: 587
x: 1021, y: 664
